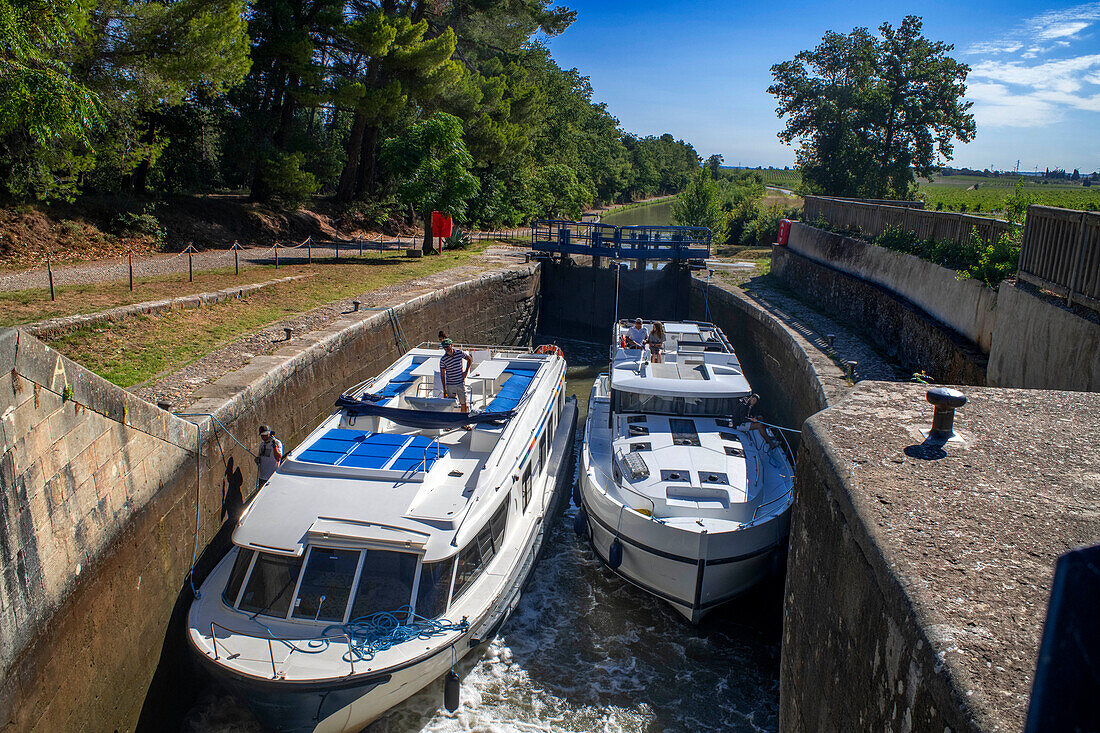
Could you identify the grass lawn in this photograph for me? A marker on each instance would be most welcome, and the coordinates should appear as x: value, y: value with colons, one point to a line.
x: 137, y: 349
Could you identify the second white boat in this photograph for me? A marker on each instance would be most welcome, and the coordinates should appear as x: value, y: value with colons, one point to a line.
x: 680, y: 494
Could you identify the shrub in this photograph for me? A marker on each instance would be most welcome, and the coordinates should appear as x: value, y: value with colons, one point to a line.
x: 285, y: 183
x: 458, y: 240
x: 765, y: 227
x: 144, y: 224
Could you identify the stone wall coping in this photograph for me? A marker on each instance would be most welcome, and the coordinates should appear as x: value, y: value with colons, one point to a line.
x: 964, y: 543
x: 57, y: 326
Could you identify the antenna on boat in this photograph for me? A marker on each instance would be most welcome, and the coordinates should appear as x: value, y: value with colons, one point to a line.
x: 618, y: 269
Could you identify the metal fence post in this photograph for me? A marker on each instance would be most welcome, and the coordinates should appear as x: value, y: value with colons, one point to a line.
x: 49, y: 271
x: 130, y: 262
x: 236, y: 259
x: 276, y: 255
x: 190, y: 263
x: 309, y: 249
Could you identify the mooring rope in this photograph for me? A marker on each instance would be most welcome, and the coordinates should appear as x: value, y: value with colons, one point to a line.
x: 386, y: 629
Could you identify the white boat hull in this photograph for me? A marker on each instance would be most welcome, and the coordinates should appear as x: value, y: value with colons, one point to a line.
x: 666, y: 561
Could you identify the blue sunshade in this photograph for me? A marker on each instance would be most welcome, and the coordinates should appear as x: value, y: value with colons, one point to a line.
x: 356, y: 449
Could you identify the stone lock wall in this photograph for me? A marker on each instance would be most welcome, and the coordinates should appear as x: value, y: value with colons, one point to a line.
x: 900, y: 328
x: 98, y: 500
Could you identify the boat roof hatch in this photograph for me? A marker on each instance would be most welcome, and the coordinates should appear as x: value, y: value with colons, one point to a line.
x: 369, y: 533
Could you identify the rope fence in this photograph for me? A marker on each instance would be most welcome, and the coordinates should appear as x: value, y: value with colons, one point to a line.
x: 131, y: 268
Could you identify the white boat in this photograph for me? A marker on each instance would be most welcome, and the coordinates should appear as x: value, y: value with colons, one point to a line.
x: 310, y: 616
x: 679, y: 495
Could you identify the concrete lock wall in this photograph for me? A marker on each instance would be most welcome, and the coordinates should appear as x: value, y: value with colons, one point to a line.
x: 919, y: 574
x: 793, y: 378
x: 1040, y: 345
x: 967, y: 306
x: 900, y: 328
x: 98, y: 500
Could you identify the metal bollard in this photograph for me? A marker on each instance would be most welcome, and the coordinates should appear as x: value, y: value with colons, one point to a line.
x: 850, y: 369
x: 830, y: 338
x: 355, y: 304
x: 164, y: 404
x: 288, y: 331
x: 945, y: 401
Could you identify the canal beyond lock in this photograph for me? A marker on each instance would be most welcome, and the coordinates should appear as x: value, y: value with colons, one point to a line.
x: 586, y: 651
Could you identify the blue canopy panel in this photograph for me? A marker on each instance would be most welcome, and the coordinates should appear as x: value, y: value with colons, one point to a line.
x: 520, y: 376
x: 355, y: 449
x: 399, y: 383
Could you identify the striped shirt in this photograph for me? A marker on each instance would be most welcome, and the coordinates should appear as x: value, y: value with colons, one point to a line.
x: 452, y: 367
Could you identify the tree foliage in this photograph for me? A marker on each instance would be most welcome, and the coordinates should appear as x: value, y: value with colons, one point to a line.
x: 698, y: 204
x: 871, y: 113
x: 362, y: 101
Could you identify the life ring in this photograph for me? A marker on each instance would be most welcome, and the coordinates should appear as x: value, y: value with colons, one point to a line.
x: 550, y: 349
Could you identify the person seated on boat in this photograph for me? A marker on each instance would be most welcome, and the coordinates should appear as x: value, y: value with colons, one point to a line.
x: 743, y: 413
x: 636, y: 335
x: 656, y: 342
x: 453, y: 372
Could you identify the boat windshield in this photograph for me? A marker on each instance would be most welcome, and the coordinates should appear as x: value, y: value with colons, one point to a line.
x: 385, y: 584
x: 622, y: 401
x: 325, y: 589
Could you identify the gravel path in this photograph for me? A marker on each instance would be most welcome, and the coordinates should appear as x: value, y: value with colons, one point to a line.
x: 179, y: 386
x: 117, y: 269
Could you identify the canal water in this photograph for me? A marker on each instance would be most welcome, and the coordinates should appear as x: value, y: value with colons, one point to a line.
x: 656, y: 214
x: 585, y: 651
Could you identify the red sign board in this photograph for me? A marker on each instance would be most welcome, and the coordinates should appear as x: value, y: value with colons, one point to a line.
x: 441, y: 225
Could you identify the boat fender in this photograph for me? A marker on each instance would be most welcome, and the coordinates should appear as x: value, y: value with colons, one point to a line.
x: 615, y: 554
x: 580, y: 523
x: 576, y: 493
x: 450, y: 691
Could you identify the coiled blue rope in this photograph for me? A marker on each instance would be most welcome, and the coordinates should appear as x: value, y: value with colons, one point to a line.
x: 386, y: 629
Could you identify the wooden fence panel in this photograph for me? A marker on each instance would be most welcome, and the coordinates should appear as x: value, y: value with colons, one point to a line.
x: 872, y: 218
x: 1061, y: 252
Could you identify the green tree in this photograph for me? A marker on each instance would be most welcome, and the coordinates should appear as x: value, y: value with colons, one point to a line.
x: 698, y: 204
x: 558, y: 193
x: 47, y: 118
x: 871, y: 113
x: 714, y: 162
x: 432, y: 163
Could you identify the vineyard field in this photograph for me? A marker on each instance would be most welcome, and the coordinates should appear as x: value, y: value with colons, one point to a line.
x: 990, y: 195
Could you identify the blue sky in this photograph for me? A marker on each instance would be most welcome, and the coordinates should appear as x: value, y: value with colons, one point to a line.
x: 700, y: 70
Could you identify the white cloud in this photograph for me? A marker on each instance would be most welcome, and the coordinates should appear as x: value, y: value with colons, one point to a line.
x: 1043, y: 32
x: 1055, y: 24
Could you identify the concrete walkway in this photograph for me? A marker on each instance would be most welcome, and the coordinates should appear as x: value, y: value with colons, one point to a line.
x: 815, y: 326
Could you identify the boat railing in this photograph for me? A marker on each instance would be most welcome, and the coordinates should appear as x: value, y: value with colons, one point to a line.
x: 271, y: 640
x: 782, y: 496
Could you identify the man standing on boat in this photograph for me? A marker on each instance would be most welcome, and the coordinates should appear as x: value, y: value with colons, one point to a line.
x: 269, y: 457
x: 453, y: 372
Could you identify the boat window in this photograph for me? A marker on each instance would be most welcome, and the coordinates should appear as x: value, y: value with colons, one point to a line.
x: 499, y: 523
x: 271, y: 585
x: 693, y: 406
x: 435, y: 581
x: 326, y: 584
x: 236, y: 577
x: 525, y: 486
x: 476, y: 555
x: 385, y: 584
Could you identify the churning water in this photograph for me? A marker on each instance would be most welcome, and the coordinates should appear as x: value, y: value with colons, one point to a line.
x: 585, y: 651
